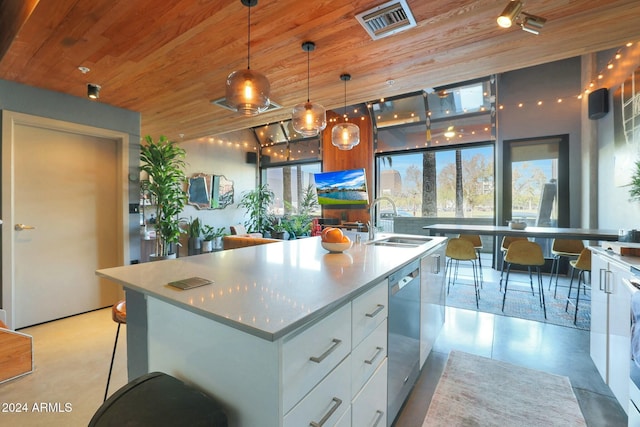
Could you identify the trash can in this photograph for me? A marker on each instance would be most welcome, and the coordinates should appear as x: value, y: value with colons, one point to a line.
x: 158, y: 399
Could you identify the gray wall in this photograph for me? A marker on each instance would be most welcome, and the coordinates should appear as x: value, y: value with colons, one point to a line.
x: 58, y: 106
x: 544, y: 83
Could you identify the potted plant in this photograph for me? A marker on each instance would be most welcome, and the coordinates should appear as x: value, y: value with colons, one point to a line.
x: 163, y: 161
x: 212, y: 237
x: 193, y: 231
x: 634, y: 190
x: 257, y: 203
x: 278, y: 230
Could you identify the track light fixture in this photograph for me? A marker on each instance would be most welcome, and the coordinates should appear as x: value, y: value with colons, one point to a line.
x: 532, y: 24
x: 345, y: 135
x: 93, y: 91
x: 247, y: 91
x: 513, y: 14
x: 309, y: 119
x: 510, y: 13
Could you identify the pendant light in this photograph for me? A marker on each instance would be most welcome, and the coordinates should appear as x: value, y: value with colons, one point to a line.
x: 247, y: 91
x: 345, y: 135
x: 308, y: 119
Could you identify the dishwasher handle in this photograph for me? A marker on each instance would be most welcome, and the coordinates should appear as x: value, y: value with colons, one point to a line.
x: 404, y: 281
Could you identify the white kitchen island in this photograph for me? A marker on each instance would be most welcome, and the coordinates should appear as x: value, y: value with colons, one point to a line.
x: 287, y: 335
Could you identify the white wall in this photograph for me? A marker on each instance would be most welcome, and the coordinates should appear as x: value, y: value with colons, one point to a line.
x: 223, y: 155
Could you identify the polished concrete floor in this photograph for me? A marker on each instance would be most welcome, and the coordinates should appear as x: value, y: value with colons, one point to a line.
x: 550, y: 348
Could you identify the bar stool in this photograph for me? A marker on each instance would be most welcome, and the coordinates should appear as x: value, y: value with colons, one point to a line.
x: 582, y: 264
x: 563, y: 248
x: 461, y: 250
x: 119, y: 315
x: 506, y: 241
x: 528, y: 254
x: 477, y: 245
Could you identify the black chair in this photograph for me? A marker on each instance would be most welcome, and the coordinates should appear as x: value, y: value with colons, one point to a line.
x: 159, y: 400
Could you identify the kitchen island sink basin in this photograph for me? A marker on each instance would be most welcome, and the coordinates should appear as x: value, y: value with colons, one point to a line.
x: 401, y: 241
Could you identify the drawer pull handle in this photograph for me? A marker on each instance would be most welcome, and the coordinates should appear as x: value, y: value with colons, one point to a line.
x: 378, y: 309
x: 378, y: 351
x: 337, y: 402
x: 336, y: 342
x: 378, y: 418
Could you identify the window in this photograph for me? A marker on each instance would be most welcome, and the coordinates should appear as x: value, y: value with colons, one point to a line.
x: 450, y: 183
x: 289, y: 184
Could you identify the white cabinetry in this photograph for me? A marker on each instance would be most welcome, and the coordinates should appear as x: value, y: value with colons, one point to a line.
x: 432, y: 299
x: 610, y: 345
x: 330, y: 372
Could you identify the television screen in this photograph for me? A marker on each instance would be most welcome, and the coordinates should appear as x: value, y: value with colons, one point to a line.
x: 342, y: 188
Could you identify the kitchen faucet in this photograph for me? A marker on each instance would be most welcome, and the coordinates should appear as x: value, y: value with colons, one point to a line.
x: 371, y: 225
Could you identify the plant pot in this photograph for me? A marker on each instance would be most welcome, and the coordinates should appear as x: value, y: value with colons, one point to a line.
x: 278, y: 235
x: 194, y: 246
x: 207, y: 246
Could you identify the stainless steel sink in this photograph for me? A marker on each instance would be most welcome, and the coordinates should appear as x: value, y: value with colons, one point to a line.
x: 401, y: 241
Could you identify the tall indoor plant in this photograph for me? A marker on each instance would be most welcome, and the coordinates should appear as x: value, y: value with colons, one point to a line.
x: 257, y: 203
x: 163, y: 161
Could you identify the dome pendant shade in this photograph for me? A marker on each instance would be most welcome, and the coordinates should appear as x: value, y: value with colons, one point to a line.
x: 309, y: 119
x: 345, y: 136
x: 247, y: 92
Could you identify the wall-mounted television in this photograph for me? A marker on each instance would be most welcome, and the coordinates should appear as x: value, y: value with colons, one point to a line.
x: 346, y: 188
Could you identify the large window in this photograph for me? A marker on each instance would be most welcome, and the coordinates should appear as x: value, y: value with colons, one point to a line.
x: 447, y: 183
x: 435, y: 151
x: 290, y: 184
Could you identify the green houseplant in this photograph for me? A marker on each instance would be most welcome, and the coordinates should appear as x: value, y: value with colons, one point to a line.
x: 194, y: 229
x: 212, y: 237
x: 257, y: 203
x: 163, y: 161
x: 634, y: 191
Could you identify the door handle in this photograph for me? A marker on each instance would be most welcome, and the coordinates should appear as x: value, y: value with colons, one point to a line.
x: 20, y: 227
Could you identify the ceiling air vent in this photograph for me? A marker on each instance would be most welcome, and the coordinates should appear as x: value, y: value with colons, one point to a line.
x: 387, y: 19
x: 222, y: 102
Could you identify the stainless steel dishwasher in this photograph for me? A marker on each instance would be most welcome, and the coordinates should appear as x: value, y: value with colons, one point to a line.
x: 404, y: 336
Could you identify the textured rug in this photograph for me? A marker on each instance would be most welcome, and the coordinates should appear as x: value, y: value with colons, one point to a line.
x: 477, y: 391
x: 520, y: 302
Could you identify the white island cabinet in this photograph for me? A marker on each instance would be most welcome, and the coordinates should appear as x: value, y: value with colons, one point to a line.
x: 287, y: 335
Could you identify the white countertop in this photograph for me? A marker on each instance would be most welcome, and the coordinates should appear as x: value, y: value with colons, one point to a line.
x: 632, y: 261
x: 268, y: 290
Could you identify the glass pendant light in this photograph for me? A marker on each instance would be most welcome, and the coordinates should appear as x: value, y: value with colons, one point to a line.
x: 247, y: 91
x: 345, y: 135
x: 308, y: 119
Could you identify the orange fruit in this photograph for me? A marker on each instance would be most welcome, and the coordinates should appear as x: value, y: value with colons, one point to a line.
x: 345, y: 239
x: 325, y: 231
x: 333, y: 235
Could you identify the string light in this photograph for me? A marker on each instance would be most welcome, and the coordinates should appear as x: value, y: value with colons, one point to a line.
x: 611, y: 65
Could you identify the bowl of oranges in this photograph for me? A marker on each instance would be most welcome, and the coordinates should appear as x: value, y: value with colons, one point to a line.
x: 334, y: 240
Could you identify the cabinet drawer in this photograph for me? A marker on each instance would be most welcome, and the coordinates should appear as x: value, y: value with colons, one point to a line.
x: 367, y: 356
x: 369, y: 310
x: 310, y: 355
x: 327, y: 402
x: 369, y: 408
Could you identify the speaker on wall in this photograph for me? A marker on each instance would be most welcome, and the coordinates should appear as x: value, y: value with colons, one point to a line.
x: 252, y: 158
x: 598, y: 103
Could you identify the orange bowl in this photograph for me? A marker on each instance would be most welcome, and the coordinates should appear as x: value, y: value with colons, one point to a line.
x: 336, y: 247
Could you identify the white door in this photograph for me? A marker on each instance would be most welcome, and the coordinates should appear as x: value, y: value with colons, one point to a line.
x: 64, y: 223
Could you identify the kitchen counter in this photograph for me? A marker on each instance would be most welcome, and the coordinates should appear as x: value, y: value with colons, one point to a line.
x: 268, y: 290
x: 288, y: 334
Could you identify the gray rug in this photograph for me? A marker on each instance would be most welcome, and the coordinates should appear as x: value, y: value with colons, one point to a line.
x: 477, y: 391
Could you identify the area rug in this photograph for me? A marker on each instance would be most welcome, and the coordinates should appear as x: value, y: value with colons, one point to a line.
x: 520, y: 302
x: 477, y: 391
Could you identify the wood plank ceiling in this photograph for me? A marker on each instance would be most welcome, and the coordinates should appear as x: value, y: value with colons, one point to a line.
x: 170, y: 59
